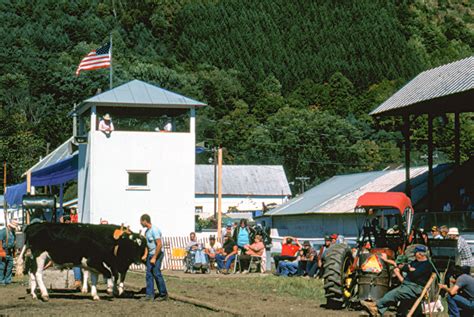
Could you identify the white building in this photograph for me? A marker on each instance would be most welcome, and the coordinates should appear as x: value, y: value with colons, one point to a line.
x: 138, y: 169
x: 244, y: 188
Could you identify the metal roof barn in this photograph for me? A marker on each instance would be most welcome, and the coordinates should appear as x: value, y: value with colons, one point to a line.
x: 445, y: 89
x: 244, y: 180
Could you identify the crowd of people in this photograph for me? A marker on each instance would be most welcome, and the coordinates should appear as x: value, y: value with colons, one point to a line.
x: 240, y: 244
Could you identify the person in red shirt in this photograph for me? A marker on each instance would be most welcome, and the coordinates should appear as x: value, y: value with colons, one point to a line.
x: 288, y: 250
x: 74, y: 216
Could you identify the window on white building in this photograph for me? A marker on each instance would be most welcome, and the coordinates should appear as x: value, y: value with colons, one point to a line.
x: 198, y: 209
x: 138, y: 179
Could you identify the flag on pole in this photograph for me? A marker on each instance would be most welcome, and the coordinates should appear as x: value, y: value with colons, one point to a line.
x: 99, y: 58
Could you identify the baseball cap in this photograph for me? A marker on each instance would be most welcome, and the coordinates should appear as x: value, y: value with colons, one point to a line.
x: 306, y: 243
x: 327, y: 238
x: 420, y: 248
x: 434, y: 228
x: 453, y: 231
x: 334, y: 236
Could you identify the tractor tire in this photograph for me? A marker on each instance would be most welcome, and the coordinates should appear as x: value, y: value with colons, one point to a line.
x: 410, y: 252
x: 337, y: 260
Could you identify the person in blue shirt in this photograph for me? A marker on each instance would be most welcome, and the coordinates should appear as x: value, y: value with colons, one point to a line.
x: 242, y: 234
x: 153, y: 261
x: 6, y: 263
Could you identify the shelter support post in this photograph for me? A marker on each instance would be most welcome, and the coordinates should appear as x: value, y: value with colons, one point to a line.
x: 28, y: 190
x: 406, y: 134
x: 457, y: 139
x: 430, y: 162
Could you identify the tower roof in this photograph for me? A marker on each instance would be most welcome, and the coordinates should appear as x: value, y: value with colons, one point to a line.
x: 137, y: 93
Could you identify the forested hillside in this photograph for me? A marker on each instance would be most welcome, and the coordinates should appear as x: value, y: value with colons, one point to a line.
x: 287, y: 82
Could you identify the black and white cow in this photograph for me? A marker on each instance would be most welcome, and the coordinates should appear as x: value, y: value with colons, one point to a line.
x: 104, y: 249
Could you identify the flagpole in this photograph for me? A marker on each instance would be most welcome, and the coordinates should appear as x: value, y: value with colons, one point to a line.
x: 111, y: 69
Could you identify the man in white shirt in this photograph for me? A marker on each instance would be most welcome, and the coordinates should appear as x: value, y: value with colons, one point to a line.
x: 212, y: 248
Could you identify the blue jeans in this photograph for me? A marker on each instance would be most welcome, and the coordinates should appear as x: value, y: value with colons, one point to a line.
x: 199, y: 257
x: 220, y: 258
x: 286, y: 268
x: 6, y: 268
x: 460, y: 306
x: 77, y: 273
x: 153, y: 274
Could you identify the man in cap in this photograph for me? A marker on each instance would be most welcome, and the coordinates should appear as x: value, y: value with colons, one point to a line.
x: 6, y: 263
x: 460, y: 296
x: 307, y: 266
x: 418, y: 273
x: 465, y: 255
x: 435, y: 233
x: 322, y: 253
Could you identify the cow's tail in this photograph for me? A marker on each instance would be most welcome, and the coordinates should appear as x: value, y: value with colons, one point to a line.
x: 20, y: 262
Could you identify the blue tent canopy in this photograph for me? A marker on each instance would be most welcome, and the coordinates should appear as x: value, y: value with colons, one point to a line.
x: 54, y: 174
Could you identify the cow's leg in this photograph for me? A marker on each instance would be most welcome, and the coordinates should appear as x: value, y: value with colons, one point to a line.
x: 40, y: 261
x: 85, y: 278
x: 94, y: 278
x: 33, y: 286
x: 110, y: 286
x: 122, y: 280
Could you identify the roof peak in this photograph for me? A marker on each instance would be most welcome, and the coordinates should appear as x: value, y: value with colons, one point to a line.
x: 137, y: 93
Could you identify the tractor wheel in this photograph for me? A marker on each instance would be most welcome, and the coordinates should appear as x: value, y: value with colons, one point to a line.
x: 410, y: 252
x: 336, y: 265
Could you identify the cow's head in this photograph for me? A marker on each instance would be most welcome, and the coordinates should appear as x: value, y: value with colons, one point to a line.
x: 131, y: 246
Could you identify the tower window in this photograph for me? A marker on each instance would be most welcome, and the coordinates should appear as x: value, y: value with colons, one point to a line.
x: 138, y: 179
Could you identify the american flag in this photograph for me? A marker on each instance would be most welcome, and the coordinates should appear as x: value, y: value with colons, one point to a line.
x: 99, y: 58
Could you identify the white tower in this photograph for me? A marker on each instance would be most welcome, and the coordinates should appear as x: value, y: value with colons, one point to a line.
x: 138, y: 168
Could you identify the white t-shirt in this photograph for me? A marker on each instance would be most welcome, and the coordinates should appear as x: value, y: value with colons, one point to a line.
x: 214, y: 248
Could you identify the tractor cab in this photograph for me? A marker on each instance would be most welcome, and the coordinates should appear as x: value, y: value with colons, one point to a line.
x: 388, y: 221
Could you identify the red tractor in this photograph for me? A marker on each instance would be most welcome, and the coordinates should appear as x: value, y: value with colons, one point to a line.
x: 352, y: 275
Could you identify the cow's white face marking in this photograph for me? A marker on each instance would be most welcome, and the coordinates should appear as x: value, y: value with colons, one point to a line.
x: 130, y: 237
x: 139, y: 241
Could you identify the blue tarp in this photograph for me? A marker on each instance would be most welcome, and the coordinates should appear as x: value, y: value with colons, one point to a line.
x: 55, y: 174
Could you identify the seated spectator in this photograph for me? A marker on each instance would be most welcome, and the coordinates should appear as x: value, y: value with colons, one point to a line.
x: 288, y: 250
x: 322, y: 254
x: 435, y: 233
x: 443, y: 230
x: 460, y: 297
x: 465, y: 254
x: 287, y: 268
x: 194, y: 248
x: 212, y: 248
x: 308, y: 263
x: 255, y: 249
x: 227, y: 255
x: 418, y: 273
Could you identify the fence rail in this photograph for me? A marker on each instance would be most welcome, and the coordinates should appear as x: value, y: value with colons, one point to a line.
x: 174, y: 253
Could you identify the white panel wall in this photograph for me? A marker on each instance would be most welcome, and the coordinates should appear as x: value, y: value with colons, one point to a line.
x: 169, y: 201
x: 244, y: 203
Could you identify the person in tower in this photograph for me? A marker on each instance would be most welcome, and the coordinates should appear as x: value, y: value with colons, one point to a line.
x: 106, y: 125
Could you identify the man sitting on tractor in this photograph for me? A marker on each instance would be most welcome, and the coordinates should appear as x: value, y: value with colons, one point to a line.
x: 418, y: 273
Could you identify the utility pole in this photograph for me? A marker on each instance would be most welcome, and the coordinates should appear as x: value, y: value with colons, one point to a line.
x: 303, y: 180
x: 214, y: 152
x: 219, y: 191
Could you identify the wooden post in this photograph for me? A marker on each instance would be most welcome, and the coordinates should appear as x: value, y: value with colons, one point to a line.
x: 5, y: 206
x: 457, y: 139
x: 418, y: 301
x: 28, y: 191
x: 430, y: 163
x: 406, y: 134
x: 219, y: 193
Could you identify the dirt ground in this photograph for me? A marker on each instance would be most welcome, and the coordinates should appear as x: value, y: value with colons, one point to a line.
x: 192, y: 295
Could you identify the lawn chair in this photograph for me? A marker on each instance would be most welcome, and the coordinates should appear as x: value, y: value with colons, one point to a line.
x: 256, y: 262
